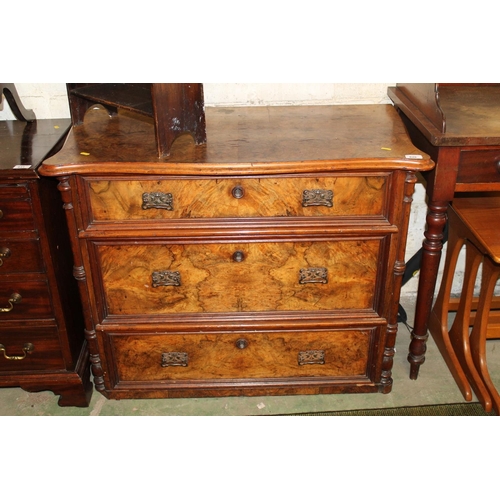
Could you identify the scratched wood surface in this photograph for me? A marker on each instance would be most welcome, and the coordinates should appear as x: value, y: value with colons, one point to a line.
x: 277, y: 196
x: 266, y: 280
x: 246, y: 140
x: 216, y: 356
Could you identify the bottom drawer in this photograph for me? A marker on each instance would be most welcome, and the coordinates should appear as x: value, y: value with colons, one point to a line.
x: 177, y: 357
x: 25, y: 349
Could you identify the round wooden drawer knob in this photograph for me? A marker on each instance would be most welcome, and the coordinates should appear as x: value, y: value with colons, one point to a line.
x: 238, y: 256
x: 241, y: 343
x: 238, y: 192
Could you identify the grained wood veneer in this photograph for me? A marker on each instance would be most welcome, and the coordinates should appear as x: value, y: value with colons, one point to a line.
x: 267, y: 261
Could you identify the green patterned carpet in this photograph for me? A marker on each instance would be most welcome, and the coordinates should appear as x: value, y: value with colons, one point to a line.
x: 448, y: 410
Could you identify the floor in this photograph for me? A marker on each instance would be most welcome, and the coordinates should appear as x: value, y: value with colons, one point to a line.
x: 433, y: 386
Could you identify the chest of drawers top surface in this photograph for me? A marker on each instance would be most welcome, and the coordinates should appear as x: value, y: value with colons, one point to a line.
x: 252, y: 141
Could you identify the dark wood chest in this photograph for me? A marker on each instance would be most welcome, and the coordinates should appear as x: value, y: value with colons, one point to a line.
x: 42, y: 344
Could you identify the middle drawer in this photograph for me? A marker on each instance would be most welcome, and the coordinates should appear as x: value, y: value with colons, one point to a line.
x: 20, y: 256
x: 144, y: 279
x: 22, y: 299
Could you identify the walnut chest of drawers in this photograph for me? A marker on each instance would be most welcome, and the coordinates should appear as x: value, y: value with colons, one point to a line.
x: 42, y: 343
x: 267, y: 261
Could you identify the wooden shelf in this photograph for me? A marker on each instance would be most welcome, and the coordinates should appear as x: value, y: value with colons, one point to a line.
x: 130, y: 96
x: 176, y: 108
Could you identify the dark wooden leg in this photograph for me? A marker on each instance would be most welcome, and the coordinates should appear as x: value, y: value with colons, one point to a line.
x: 16, y: 106
x: 77, y: 394
x: 73, y: 388
x: 431, y: 256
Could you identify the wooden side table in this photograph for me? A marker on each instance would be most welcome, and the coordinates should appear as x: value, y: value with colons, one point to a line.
x: 458, y: 125
x: 470, y: 227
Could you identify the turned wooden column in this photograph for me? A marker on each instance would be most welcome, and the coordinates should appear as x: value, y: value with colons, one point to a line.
x: 440, y: 188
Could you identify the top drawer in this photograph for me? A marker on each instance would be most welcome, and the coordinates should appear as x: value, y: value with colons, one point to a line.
x: 479, y: 166
x: 15, y: 208
x: 329, y: 196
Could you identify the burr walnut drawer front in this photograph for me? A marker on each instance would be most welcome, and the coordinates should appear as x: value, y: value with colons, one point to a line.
x: 479, y: 166
x: 16, y: 213
x: 20, y: 256
x: 234, y: 277
x: 23, y: 299
x: 341, y: 353
x: 229, y: 197
x: 29, y: 348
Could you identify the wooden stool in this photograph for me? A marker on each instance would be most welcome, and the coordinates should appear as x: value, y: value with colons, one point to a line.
x: 475, y: 223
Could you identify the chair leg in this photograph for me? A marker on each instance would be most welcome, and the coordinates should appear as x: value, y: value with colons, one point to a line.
x: 490, y: 275
x: 459, y: 331
x: 438, y: 320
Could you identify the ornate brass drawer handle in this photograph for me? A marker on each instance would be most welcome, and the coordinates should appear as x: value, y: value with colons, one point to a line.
x: 157, y: 200
x: 1, y: 214
x: 15, y: 298
x: 311, y: 357
x: 317, y: 197
x: 166, y: 278
x: 4, y: 253
x: 27, y: 349
x: 174, y: 359
x: 313, y: 275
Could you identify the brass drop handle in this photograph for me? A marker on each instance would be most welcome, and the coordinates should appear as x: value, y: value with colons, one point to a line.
x: 174, y: 359
x: 238, y: 256
x: 159, y: 200
x: 1, y: 213
x: 317, y: 197
x: 28, y: 348
x: 313, y: 275
x: 15, y: 298
x: 314, y: 357
x: 241, y: 343
x: 4, y: 253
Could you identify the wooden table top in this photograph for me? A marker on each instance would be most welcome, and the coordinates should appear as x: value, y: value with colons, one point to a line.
x: 478, y: 213
x: 245, y: 140
x: 471, y: 113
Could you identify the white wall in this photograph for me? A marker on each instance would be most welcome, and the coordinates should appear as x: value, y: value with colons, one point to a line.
x: 49, y: 100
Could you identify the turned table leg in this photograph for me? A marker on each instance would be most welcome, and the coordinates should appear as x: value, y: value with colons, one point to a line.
x: 431, y: 256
